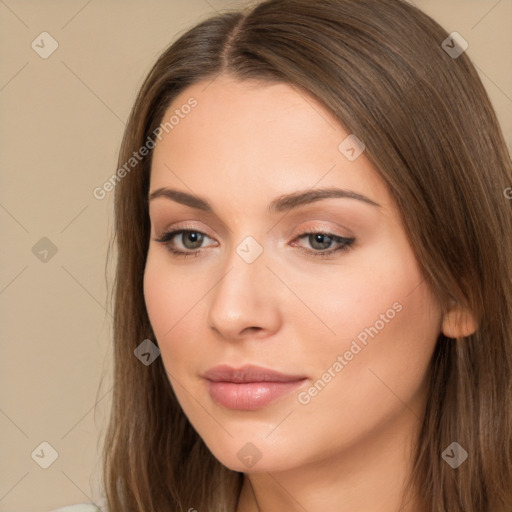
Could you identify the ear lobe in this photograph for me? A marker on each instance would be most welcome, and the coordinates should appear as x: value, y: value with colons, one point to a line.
x: 458, y: 322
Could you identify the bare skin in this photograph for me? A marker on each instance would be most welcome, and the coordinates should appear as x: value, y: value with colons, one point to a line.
x: 346, y: 446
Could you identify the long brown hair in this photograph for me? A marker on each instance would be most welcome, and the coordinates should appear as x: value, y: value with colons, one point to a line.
x: 432, y: 135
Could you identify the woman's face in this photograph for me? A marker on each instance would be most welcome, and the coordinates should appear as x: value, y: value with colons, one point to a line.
x: 344, y: 316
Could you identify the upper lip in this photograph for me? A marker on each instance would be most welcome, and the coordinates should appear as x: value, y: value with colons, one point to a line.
x: 248, y: 373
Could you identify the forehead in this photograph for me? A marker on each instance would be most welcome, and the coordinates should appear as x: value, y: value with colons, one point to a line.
x: 257, y: 137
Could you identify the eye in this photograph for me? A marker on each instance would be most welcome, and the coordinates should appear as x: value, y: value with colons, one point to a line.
x: 320, y: 241
x: 192, y: 240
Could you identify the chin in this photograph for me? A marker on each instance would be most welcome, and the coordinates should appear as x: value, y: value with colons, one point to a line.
x: 254, y: 455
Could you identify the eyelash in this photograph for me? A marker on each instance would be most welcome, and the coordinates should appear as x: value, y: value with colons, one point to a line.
x: 346, y: 243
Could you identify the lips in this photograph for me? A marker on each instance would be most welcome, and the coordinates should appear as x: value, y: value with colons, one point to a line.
x: 249, y: 387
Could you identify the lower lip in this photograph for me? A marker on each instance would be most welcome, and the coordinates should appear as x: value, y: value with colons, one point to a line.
x: 247, y: 396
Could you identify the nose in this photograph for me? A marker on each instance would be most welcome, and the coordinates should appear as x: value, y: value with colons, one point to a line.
x: 246, y: 300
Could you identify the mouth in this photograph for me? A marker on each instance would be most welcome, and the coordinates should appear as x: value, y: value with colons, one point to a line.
x: 249, y: 387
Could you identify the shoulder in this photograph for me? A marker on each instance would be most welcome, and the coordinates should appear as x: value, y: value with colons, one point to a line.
x: 80, y: 507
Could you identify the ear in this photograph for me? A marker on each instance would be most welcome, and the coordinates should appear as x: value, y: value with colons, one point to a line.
x: 458, y: 321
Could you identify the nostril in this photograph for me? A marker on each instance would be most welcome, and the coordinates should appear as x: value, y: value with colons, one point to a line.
x: 251, y: 329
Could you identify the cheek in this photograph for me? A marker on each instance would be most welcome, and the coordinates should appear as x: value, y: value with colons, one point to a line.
x: 172, y: 298
x: 386, y: 323
x: 386, y: 331
x: 382, y: 295
x: 161, y: 297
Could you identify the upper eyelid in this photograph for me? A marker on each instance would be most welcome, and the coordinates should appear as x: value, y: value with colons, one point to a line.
x: 328, y: 230
x: 187, y: 227
x: 176, y: 230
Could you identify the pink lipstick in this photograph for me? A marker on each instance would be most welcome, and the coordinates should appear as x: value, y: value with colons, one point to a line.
x: 249, y: 387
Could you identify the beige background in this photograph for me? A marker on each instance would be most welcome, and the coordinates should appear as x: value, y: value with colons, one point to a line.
x: 62, y: 120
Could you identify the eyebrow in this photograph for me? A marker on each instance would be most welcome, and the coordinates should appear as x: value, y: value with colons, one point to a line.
x: 282, y: 203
